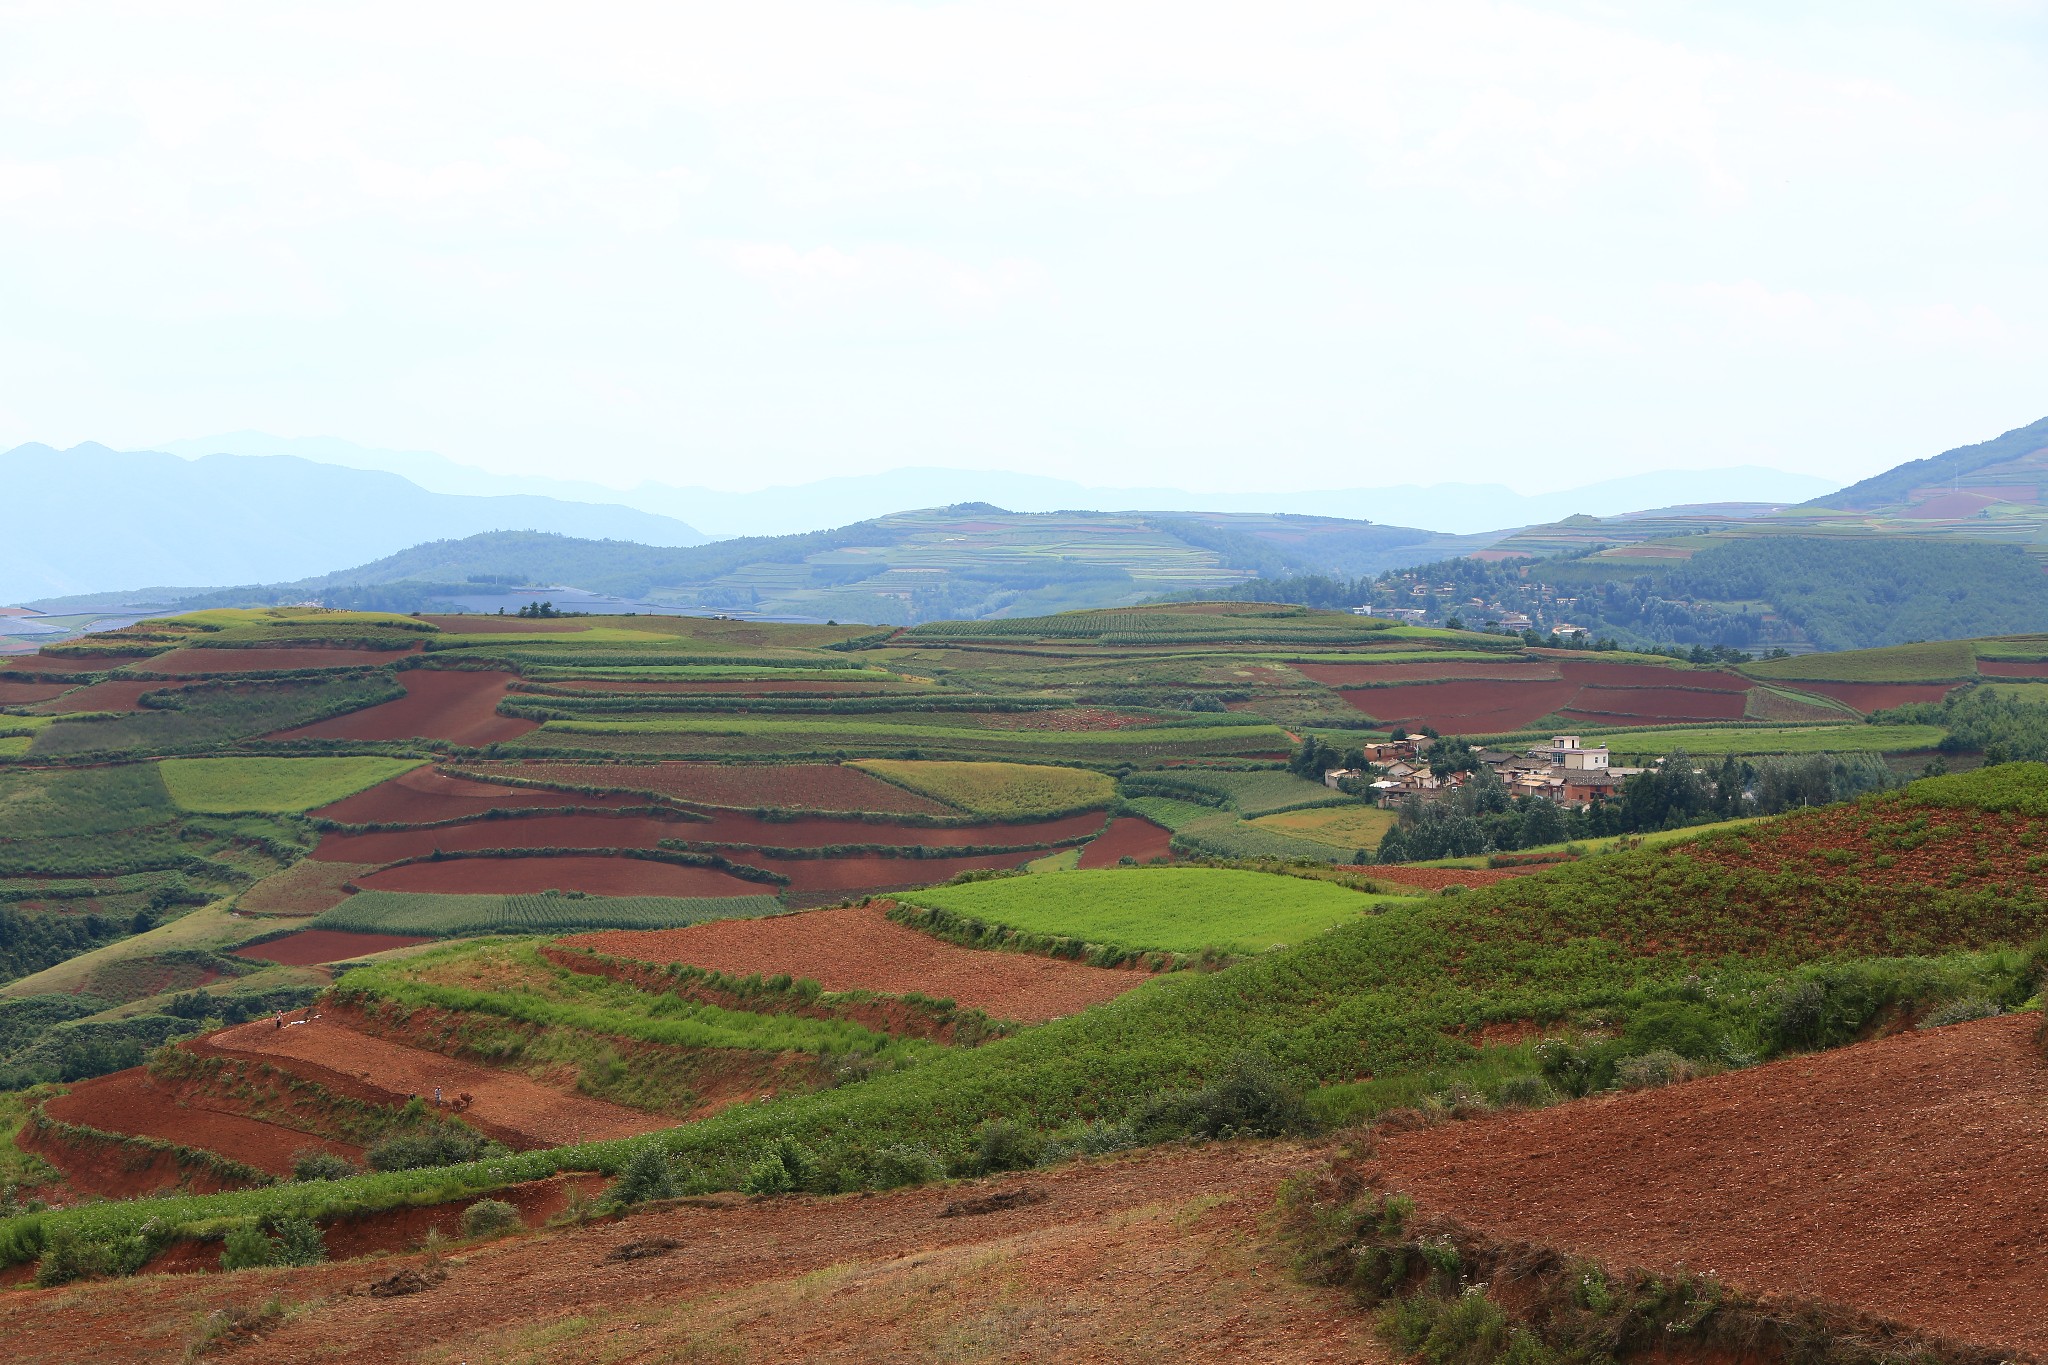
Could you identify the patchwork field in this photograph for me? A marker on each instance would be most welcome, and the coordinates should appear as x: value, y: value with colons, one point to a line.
x: 454, y: 706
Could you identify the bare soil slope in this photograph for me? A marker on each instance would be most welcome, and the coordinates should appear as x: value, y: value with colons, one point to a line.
x: 1900, y: 1177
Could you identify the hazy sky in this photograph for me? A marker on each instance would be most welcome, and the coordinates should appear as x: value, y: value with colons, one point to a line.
x: 1254, y: 244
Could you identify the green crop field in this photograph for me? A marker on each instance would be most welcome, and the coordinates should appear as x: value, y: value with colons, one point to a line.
x: 227, y: 785
x: 1935, y: 661
x: 1791, y: 739
x: 1259, y: 792
x: 1172, y: 909
x: 457, y: 916
x: 999, y: 791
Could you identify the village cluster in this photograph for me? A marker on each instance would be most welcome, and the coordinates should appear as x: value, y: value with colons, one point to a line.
x: 1563, y: 771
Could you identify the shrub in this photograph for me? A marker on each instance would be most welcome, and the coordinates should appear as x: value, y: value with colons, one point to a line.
x: 489, y: 1218
x: 785, y: 1166
x: 317, y: 1163
x: 1962, y: 1011
x: 1649, y: 1070
x: 298, y: 1242
x: 647, y: 1176
x: 1250, y: 1099
x: 1687, y: 1029
x: 1796, y: 1011
x: 442, y: 1144
x: 904, y: 1163
x: 1001, y: 1145
x: 68, y: 1256
x: 1525, y: 1092
x: 247, y: 1246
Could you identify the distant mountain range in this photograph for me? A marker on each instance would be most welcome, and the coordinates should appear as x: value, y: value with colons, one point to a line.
x: 1452, y: 508
x: 90, y: 519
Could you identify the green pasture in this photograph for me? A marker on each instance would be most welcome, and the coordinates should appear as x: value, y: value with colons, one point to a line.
x: 2034, y: 692
x: 224, y: 786
x: 1168, y: 909
x: 1263, y: 791
x: 1789, y: 739
x: 433, y: 915
x: 998, y: 791
x: 1933, y: 661
x: 1222, y: 833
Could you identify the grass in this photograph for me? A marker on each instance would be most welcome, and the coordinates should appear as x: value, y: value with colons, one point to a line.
x: 274, y: 785
x: 1210, y: 832
x: 1258, y: 792
x: 1254, y: 732
x: 1934, y: 661
x: 453, y: 916
x: 997, y: 791
x: 1169, y: 909
x: 1800, y: 739
x: 210, y: 714
x: 2035, y: 692
x: 1346, y: 828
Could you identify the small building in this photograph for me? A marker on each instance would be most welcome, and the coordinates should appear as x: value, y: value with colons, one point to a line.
x: 1515, y: 620
x: 1333, y: 776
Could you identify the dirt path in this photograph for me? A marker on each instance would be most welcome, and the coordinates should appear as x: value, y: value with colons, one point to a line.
x: 1901, y: 1177
x: 503, y: 1102
x: 860, y: 948
x: 1157, y: 1257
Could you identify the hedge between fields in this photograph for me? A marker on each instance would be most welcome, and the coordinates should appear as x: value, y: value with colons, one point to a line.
x: 970, y: 931
x: 674, y: 857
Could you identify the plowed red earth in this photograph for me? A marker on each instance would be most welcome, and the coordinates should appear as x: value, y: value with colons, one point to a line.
x: 1651, y: 675
x: 526, y: 1112
x: 1365, y: 675
x: 53, y: 663
x: 1900, y: 1177
x: 1877, y: 696
x: 2007, y: 668
x: 875, y: 871
x: 1437, y: 878
x: 455, y: 705
x: 1961, y: 847
x: 526, y: 831
x: 1128, y: 836
x: 425, y: 794
x: 759, y: 687
x: 192, y: 662
x: 311, y: 947
x: 1642, y: 693
x: 24, y: 693
x: 790, y: 786
x: 1158, y: 1257
x: 133, y: 1103
x: 1658, y: 703
x: 860, y: 948
x: 105, y: 696
x: 740, y: 828
x: 600, y: 876
x: 1476, y: 707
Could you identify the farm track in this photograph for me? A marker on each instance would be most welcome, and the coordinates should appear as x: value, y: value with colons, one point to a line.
x: 1158, y: 1257
x: 457, y: 706
x: 861, y: 948
x: 506, y: 1104
x: 1899, y: 1177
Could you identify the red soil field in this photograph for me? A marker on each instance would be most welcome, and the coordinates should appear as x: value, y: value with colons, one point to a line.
x: 1128, y: 836
x: 740, y: 827
x: 52, y: 663
x: 526, y: 831
x: 2009, y: 668
x: 312, y: 947
x: 860, y: 948
x: 793, y: 786
x: 426, y: 794
x: 189, y: 662
x: 1437, y: 878
x: 763, y: 687
x: 1957, y: 847
x: 302, y: 890
x: 112, y: 695
x: 876, y: 872
x: 1877, y: 696
x: 1650, y: 675
x: 1658, y: 703
x: 1050, y: 1279
x: 1362, y: 675
x: 23, y: 693
x: 134, y: 1103
x: 525, y: 1112
x: 1065, y: 718
x: 1464, y: 707
x: 599, y: 876
x: 455, y: 705
x: 1948, y: 506
x: 1900, y: 1177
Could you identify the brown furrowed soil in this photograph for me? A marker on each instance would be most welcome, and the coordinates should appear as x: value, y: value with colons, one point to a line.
x: 1474, y: 707
x: 1128, y: 836
x: 1657, y: 703
x: 856, y: 872
x: 757, y: 687
x: 1157, y: 1259
x: 424, y: 795
x: 1597, y: 673
x: 1900, y: 1177
x: 455, y: 705
x: 860, y: 948
x: 744, y: 786
x: 1584, y: 691
x: 304, y: 889
x: 593, y: 873
x: 1878, y: 696
x: 188, y: 662
x: 23, y: 693
x: 1994, y: 668
x: 523, y: 831
x: 506, y: 1104
x: 135, y: 1103
x: 1885, y: 839
x: 313, y: 947
x: 1366, y: 674
x: 738, y: 827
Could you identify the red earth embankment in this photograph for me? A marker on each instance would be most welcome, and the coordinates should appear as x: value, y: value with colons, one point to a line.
x: 458, y: 706
x: 861, y: 948
x: 1900, y: 1177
